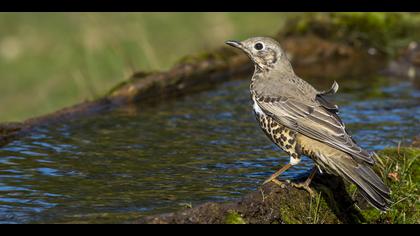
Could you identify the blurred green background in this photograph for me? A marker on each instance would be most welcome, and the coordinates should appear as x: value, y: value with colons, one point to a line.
x: 52, y: 60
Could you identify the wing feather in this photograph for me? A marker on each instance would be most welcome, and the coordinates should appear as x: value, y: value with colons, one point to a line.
x: 315, y: 121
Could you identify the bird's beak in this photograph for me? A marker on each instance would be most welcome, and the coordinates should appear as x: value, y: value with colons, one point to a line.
x: 234, y: 44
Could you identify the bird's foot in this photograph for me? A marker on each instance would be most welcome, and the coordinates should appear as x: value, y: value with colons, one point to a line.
x: 278, y: 182
x: 275, y: 181
x: 304, y: 186
x: 279, y: 172
x: 271, y: 179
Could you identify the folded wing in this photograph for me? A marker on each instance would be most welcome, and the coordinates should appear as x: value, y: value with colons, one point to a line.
x: 317, y: 120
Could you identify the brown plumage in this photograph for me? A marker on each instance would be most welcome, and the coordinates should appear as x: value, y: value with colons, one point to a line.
x: 300, y: 120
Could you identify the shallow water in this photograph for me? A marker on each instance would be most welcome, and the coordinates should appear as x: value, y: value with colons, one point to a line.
x: 137, y: 161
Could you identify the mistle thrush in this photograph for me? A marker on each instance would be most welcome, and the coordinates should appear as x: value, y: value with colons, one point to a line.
x: 301, y: 121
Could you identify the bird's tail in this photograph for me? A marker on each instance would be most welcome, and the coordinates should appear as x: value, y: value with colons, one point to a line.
x: 341, y: 163
x: 367, y: 181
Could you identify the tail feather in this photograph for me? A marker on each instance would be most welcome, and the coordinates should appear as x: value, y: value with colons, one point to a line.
x: 338, y: 162
x: 370, y: 176
x: 369, y: 184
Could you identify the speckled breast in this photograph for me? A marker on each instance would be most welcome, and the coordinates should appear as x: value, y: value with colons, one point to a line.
x: 279, y: 134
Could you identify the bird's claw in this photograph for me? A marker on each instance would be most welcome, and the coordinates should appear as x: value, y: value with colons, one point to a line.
x: 271, y: 179
x: 274, y: 180
x: 304, y: 186
x: 279, y: 183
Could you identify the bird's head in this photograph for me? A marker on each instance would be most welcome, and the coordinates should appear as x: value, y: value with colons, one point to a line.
x: 265, y: 52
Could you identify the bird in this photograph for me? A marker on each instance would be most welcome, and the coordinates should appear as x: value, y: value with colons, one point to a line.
x: 301, y: 121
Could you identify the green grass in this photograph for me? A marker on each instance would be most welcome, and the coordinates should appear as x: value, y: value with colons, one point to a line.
x: 401, y: 168
x: 52, y: 60
x: 314, y: 210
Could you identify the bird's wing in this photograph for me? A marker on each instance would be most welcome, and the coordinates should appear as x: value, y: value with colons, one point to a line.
x: 326, y: 104
x: 312, y: 119
x: 331, y: 91
x: 320, y: 97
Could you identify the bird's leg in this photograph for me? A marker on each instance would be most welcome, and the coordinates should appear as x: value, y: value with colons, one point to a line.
x: 279, y: 172
x: 305, y: 185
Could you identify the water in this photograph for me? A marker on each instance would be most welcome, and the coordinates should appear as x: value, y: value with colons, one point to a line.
x: 138, y: 161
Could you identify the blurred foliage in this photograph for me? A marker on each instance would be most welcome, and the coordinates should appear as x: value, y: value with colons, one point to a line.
x: 52, y: 60
x: 383, y: 31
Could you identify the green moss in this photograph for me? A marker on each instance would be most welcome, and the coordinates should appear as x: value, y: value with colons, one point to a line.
x: 314, y: 209
x: 289, y: 216
x: 383, y: 31
x: 135, y: 77
x: 234, y: 218
x: 352, y: 189
x: 371, y: 215
x: 220, y: 54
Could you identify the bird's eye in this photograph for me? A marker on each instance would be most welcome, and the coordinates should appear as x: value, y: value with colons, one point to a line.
x: 258, y: 46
